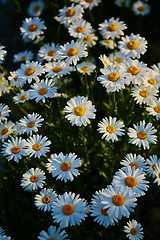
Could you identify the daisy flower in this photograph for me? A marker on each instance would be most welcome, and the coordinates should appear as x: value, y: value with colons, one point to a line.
x: 57, y: 69
x: 89, y: 3
x: 134, y: 160
x: 105, y: 60
x: 6, y: 129
x: 4, y: 87
x: 49, y: 52
x: 15, y: 81
x: 14, y: 149
x: 110, y: 128
x: 100, y: 214
x: 4, y: 112
x: 134, y: 230
x: 133, y: 179
x: 152, y: 163
x: 117, y: 58
x: 142, y: 135
x: 37, y: 146
x: 72, y: 52
x: 156, y: 174
x: 30, y: 70
x: 90, y: 40
x: 23, y: 56
x: 32, y: 28
x: 152, y: 79
x: 113, y: 28
x: 35, y: 8
x: 79, y: 29
x: 80, y: 110
x: 64, y: 167
x: 113, y: 79
x: 42, y: 90
x: 69, y: 209
x: 133, y: 45
x: 33, y: 179
x: 118, y: 201
x: 44, y: 199
x: 144, y: 95
x: 21, y: 97
x: 30, y: 123
x: 108, y: 43
x: 53, y: 233
x: 140, y: 8
x: 86, y: 67
x: 122, y: 3
x: 154, y: 108
x: 3, y: 53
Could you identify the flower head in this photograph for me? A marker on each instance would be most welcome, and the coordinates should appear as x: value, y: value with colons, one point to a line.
x: 154, y: 108
x: 141, y: 8
x: 44, y: 199
x: 35, y: 8
x: 134, y: 160
x: 4, y: 112
x: 49, y: 51
x: 53, y: 234
x: 23, y: 56
x: 134, y: 230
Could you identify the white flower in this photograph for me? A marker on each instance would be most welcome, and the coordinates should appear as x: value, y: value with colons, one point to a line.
x: 152, y: 163
x: 79, y: 29
x: 49, y: 51
x: 117, y: 58
x: 89, y: 3
x: 21, y: 97
x: 134, y: 230
x: 142, y: 135
x: 152, y: 79
x: 134, y: 160
x: 122, y: 3
x: 105, y: 60
x: 108, y: 43
x: 53, y: 233
x: 15, y: 81
x: 57, y: 69
x: 6, y: 129
x: 23, y: 56
x: 86, y: 67
x: 140, y: 8
x: 154, y: 108
x: 35, y: 8
x: 3, y: 53
x: 80, y: 111
x: 90, y: 40
x: 33, y: 179
x: 4, y: 112
x: 111, y: 128
x: 4, y: 87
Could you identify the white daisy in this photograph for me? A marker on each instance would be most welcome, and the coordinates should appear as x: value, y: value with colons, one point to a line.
x: 118, y: 201
x: 57, y: 69
x: 113, y: 28
x: 14, y: 149
x: 32, y: 28
x: 3, y: 53
x: 6, y: 129
x: 80, y: 110
x: 72, y: 52
x: 44, y: 199
x: 117, y: 58
x: 53, y: 234
x: 21, y: 97
x: 133, y: 45
x: 49, y: 51
x: 64, y: 167
x: 89, y: 3
x: 4, y: 87
x: 108, y: 43
x: 69, y: 209
x: 122, y: 3
x: 142, y: 135
x: 154, y: 108
x: 152, y: 163
x: 35, y: 8
x: 37, y: 146
x: 79, y: 29
x: 23, y: 56
x: 105, y: 60
x: 141, y: 8
x: 111, y: 128
x: 86, y: 67
x: 156, y: 174
x: 15, y: 81
x: 152, y: 79
x: 4, y: 112
x: 134, y: 160
x: 33, y: 179
x: 134, y: 230
x: 90, y: 40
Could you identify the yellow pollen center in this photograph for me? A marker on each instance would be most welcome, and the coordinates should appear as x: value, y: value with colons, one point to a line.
x: 80, y: 29
x: 23, y: 58
x: 34, y: 178
x: 36, y: 8
x: 118, y: 59
x: 154, y: 166
x: 30, y: 124
x: 68, y: 209
x: 111, y: 129
x: 0, y: 113
x: 65, y: 166
x: 51, y: 53
x: 141, y: 135
x: 32, y: 28
x: 118, y: 200
x: 107, y: 41
x: 104, y: 211
x: 42, y: 91
x: 72, y: 52
x: 53, y: 239
x: 87, y: 38
x: 112, y: 27
x: 133, y: 70
x: 70, y: 12
x: 123, y: 3
x: 4, y: 131
x: 85, y: 69
x: 46, y: 199
x: 113, y: 76
x: 130, y: 182
x: 133, y: 231
x: 56, y: 84
x: 79, y: 110
x: 37, y: 146
x: 152, y: 81
x: 144, y: 93
x: 29, y: 71
x: 57, y: 69
x: 133, y: 164
x: 16, y: 150
x: 15, y: 79
x: 105, y: 63
x: 157, y: 109
x: 89, y: 1
x: 23, y: 97
x: 141, y: 8
x: 132, y: 45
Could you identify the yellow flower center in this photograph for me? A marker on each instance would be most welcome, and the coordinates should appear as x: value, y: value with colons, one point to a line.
x: 104, y: 211
x: 16, y: 150
x: 56, y: 84
x: 87, y: 38
x: 133, y: 164
x: 72, y: 52
x: 15, y: 79
x: 130, y: 182
x: 23, y: 97
x: 141, y: 8
x: 154, y: 166
x: 53, y: 239
x: 113, y: 76
x: 0, y: 113
x: 37, y: 146
x: 133, y: 231
x: 68, y: 209
x: 133, y: 70
x: 107, y: 41
x: 80, y: 29
x: 141, y: 135
x: 118, y: 59
x: 152, y: 81
x: 29, y: 71
x: 112, y: 27
x: 123, y: 3
x: 46, y: 199
x: 4, y: 131
x: 65, y: 166
x: 157, y: 109
x: 70, y: 12
x: 118, y: 200
x: 89, y: 1
x: 111, y: 129
x: 42, y: 91
x: 51, y: 53
x: 85, y: 69
x: 105, y: 63
x: 144, y: 93
x: 23, y: 58
x: 36, y: 8
x: 32, y: 28
x: 132, y: 45
x: 57, y: 69
x: 79, y: 110
x: 30, y: 124
x: 34, y: 178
